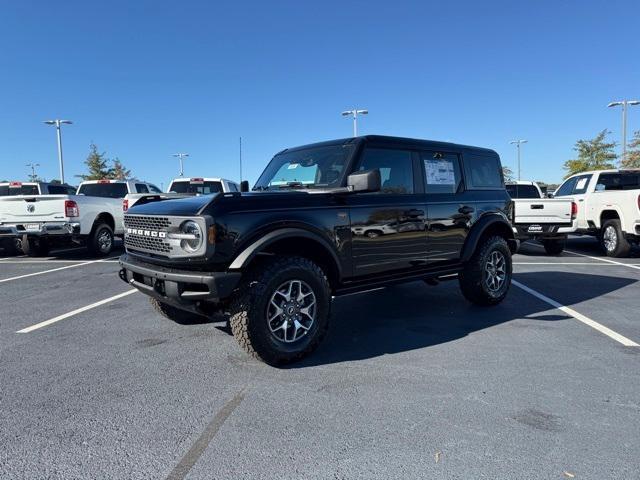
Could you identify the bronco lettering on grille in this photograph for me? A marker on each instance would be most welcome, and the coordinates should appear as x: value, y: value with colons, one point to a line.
x: 146, y: 233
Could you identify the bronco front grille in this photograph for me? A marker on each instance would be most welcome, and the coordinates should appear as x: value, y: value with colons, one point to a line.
x: 147, y: 244
x: 147, y: 234
x: 146, y: 223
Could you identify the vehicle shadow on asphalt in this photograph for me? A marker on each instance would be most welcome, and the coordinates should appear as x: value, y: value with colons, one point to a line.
x: 416, y: 316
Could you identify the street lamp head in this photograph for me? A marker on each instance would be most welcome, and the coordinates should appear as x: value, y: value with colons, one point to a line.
x: 614, y: 104
x: 362, y: 112
x: 634, y: 102
x: 50, y: 122
x: 66, y: 122
x: 347, y: 112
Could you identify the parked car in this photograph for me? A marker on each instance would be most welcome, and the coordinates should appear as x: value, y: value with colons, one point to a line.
x: 276, y: 256
x: 608, y: 207
x: 538, y: 218
x: 92, y: 217
x: 182, y: 187
x: 35, y: 188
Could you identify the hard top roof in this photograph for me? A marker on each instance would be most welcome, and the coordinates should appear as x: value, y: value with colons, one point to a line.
x: 399, y: 141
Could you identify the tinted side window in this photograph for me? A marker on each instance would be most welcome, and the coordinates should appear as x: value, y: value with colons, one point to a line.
x: 396, y: 168
x: 442, y: 172
x: 482, y: 171
x: 141, y: 188
x: 566, y: 188
x: 233, y: 187
x: 154, y: 189
x: 582, y: 183
x: 620, y: 181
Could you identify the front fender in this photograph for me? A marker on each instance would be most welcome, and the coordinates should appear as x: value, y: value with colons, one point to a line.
x: 259, y: 245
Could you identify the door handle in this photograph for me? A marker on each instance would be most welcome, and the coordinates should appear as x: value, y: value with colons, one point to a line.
x: 466, y: 210
x: 414, y: 212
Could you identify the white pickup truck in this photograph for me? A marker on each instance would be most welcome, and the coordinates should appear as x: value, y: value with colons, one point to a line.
x: 35, y: 188
x: 608, y: 207
x: 537, y: 218
x: 184, y: 187
x: 92, y: 217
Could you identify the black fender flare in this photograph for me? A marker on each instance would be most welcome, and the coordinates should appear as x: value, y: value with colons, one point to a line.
x: 259, y: 245
x: 481, y: 226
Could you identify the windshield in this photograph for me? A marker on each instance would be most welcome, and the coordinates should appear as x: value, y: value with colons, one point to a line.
x: 6, y: 190
x: 196, y: 188
x: 315, y: 167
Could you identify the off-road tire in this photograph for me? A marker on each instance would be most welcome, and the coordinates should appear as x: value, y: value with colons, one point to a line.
x: 472, y: 279
x: 554, y: 247
x: 183, y: 317
x: 36, y: 247
x: 621, y: 247
x: 94, y: 245
x: 250, y: 301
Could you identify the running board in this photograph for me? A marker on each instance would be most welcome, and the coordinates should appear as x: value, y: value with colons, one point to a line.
x: 449, y: 273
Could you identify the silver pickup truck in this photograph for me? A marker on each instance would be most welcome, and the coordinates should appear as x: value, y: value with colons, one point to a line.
x: 544, y: 219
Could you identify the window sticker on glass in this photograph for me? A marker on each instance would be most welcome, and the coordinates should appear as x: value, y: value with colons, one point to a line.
x: 440, y: 172
x: 581, y: 183
x: 292, y: 166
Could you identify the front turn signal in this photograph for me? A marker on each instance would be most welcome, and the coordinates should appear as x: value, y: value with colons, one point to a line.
x: 211, y: 235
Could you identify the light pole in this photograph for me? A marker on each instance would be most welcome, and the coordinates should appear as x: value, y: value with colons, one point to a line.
x: 57, y: 123
x: 517, y: 144
x: 354, y: 113
x: 33, y: 170
x: 624, y: 104
x: 181, y: 156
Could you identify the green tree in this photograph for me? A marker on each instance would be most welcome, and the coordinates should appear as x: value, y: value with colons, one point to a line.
x: 96, y: 163
x: 508, y: 174
x: 594, y: 154
x: 633, y: 152
x: 118, y: 170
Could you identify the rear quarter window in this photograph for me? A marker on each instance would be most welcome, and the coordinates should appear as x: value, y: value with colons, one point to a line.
x: 482, y: 171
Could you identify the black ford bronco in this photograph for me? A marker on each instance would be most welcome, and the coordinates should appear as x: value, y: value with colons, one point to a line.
x: 324, y: 220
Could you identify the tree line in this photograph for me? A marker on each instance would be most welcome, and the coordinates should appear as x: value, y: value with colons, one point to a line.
x: 596, y: 154
x: 101, y: 167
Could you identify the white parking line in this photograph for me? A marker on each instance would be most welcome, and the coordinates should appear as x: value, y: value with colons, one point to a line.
x: 578, y: 316
x: 564, y: 263
x: 604, y: 260
x: 18, y: 262
x: 75, y: 312
x: 630, y: 265
x: 53, y: 270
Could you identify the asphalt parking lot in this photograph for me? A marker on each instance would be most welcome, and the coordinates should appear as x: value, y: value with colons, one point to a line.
x: 412, y: 382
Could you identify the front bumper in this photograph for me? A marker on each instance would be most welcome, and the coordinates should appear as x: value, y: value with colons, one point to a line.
x: 182, y: 288
x: 39, y: 229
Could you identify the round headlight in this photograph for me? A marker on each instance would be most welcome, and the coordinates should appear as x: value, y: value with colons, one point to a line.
x: 192, y: 244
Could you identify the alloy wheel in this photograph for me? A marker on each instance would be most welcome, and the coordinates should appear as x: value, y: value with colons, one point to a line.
x: 495, y: 271
x: 291, y: 311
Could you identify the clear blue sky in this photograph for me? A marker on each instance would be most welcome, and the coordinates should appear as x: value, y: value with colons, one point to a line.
x: 145, y: 79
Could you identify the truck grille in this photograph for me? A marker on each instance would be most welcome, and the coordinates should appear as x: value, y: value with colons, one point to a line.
x: 144, y: 233
x: 146, y: 223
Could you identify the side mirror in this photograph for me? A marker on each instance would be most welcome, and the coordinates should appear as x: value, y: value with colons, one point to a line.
x: 550, y: 195
x: 366, y: 181
x: 244, y: 186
